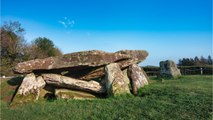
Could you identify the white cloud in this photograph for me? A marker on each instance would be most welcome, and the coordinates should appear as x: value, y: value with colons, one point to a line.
x: 66, y: 22
x: 71, y: 23
x: 63, y: 23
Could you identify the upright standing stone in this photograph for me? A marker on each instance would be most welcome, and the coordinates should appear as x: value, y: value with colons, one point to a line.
x: 126, y: 78
x: 137, y: 77
x: 115, y: 83
x: 168, y: 68
x: 29, y: 89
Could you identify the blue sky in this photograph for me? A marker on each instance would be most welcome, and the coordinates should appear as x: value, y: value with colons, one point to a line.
x: 167, y: 29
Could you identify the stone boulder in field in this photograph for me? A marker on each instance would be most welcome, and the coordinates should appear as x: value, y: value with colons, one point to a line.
x: 169, y: 69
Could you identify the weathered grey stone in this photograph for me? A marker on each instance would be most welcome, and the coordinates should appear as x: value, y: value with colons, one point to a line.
x: 71, y: 94
x: 126, y: 78
x: 40, y: 82
x: 87, y: 73
x: 31, y: 84
x: 84, y: 65
x: 136, y: 56
x: 168, y: 68
x: 84, y: 59
x: 76, y: 70
x: 45, y: 94
x: 137, y: 77
x: 115, y: 83
x: 71, y: 83
x: 29, y: 89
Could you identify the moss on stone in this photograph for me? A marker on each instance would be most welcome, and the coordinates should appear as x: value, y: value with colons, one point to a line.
x: 71, y: 94
x: 20, y: 99
x: 31, y: 97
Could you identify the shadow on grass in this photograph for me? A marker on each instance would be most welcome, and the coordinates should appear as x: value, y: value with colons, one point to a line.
x: 50, y: 97
x: 15, y: 81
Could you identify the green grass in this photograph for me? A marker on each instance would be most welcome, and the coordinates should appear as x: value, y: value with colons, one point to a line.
x: 189, y: 97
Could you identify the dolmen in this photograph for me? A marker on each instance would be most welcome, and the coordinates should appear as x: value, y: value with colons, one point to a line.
x: 81, y: 75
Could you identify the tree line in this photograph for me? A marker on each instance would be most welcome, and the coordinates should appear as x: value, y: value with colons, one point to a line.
x: 196, y: 61
x: 15, y: 49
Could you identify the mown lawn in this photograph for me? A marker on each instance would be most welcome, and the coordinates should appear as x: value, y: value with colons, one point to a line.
x: 189, y: 97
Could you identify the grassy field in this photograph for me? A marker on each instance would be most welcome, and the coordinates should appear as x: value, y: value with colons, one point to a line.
x: 189, y: 97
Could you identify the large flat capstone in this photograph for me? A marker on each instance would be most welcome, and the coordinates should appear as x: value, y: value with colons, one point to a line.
x: 85, y: 58
x: 83, y: 65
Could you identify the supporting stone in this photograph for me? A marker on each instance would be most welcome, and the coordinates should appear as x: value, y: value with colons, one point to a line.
x: 71, y: 83
x: 29, y: 89
x: 71, y: 94
x: 115, y: 83
x: 137, y: 77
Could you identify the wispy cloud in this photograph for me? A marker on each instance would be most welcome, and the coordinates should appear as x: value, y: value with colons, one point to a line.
x: 66, y: 22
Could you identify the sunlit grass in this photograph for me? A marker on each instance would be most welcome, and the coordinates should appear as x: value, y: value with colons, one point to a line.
x: 189, y: 97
